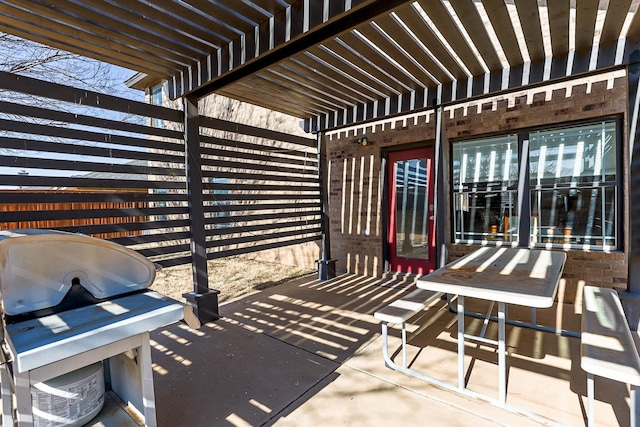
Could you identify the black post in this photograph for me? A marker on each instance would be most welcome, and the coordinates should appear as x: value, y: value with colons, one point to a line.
x: 633, y: 75
x: 202, y: 303
x: 326, y: 265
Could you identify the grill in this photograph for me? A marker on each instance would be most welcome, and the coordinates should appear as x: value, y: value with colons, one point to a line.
x: 70, y: 302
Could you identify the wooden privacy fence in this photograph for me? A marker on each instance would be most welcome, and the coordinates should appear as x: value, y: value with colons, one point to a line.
x: 85, y: 162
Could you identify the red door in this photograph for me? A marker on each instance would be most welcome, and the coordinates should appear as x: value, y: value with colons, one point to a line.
x: 411, y: 237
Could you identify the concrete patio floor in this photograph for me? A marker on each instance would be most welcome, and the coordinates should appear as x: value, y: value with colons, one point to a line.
x: 308, y: 353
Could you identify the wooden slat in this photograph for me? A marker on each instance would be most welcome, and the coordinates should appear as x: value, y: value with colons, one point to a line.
x: 395, y: 30
x: 255, y: 238
x: 256, y: 157
x: 19, y: 196
x: 225, y: 125
x: 77, y: 182
x: 325, y: 87
x: 295, y: 90
x: 261, y: 247
x: 475, y: 28
x: 585, y: 23
x: 249, y: 91
x: 501, y: 22
x: 40, y: 18
x: 260, y: 227
x: 421, y: 79
x: 634, y: 28
x: 251, y: 176
x: 365, y: 72
x: 81, y: 119
x: 84, y: 97
x: 29, y: 145
x: 245, y: 10
x: 223, y: 164
x: 303, y: 68
x: 449, y: 30
x: 529, y: 15
x: 262, y: 217
x: 616, y: 15
x: 417, y: 25
x: 259, y: 207
x: 258, y: 146
x: 51, y: 38
x: 85, y: 135
x: 259, y: 187
x: 559, y: 25
x: 76, y: 212
x: 208, y: 197
x: 127, y: 33
x: 79, y: 166
x: 147, y: 226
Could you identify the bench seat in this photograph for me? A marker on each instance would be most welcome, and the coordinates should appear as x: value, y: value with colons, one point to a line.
x: 608, y: 348
x: 398, y: 312
x: 402, y: 309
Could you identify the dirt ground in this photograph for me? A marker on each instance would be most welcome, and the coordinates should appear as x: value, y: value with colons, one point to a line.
x: 233, y: 277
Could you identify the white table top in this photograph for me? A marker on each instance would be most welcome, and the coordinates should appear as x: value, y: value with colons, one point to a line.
x: 38, y: 342
x: 520, y: 276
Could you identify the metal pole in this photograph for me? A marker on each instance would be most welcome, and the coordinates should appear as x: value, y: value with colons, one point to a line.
x: 326, y: 265
x: 202, y: 302
x: 634, y: 174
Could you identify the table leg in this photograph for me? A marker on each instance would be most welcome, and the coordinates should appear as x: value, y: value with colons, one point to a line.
x: 461, y: 373
x: 502, y: 353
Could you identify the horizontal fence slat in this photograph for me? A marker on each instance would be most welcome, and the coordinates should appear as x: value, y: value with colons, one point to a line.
x: 260, y: 227
x: 142, y: 226
x: 31, y: 145
x: 223, y: 197
x: 224, y: 125
x: 260, y: 207
x: 79, y: 182
x: 230, y: 164
x: 152, y: 238
x: 71, y: 213
x: 261, y: 237
x: 261, y: 217
x: 210, y: 175
x: 86, y: 135
x: 61, y: 196
x: 257, y: 146
x: 258, y: 157
x: 256, y: 248
x: 31, y: 86
x: 261, y: 187
x: 80, y: 119
x: 73, y: 165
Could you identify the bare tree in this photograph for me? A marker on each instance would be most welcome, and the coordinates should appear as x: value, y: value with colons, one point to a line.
x: 28, y: 58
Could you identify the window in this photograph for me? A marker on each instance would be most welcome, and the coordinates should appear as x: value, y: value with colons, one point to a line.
x: 156, y: 99
x: 571, y: 181
x: 573, y: 185
x: 485, y: 176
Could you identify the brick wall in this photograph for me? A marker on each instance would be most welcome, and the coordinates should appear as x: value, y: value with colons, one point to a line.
x: 355, y: 187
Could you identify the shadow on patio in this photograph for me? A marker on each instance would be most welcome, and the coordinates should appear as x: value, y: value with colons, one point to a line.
x: 309, y: 353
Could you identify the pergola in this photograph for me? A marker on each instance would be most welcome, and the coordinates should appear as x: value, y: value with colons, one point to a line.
x: 334, y: 63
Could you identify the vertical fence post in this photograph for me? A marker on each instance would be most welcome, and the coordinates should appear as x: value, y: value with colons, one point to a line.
x: 633, y: 75
x: 326, y: 265
x: 202, y: 303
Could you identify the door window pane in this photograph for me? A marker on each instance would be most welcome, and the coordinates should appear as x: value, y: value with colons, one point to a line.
x: 411, y: 213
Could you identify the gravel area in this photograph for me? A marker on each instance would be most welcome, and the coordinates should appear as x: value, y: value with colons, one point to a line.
x: 233, y: 277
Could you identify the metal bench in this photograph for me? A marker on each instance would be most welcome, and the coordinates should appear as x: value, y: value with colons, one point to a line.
x: 398, y: 312
x: 609, y: 346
